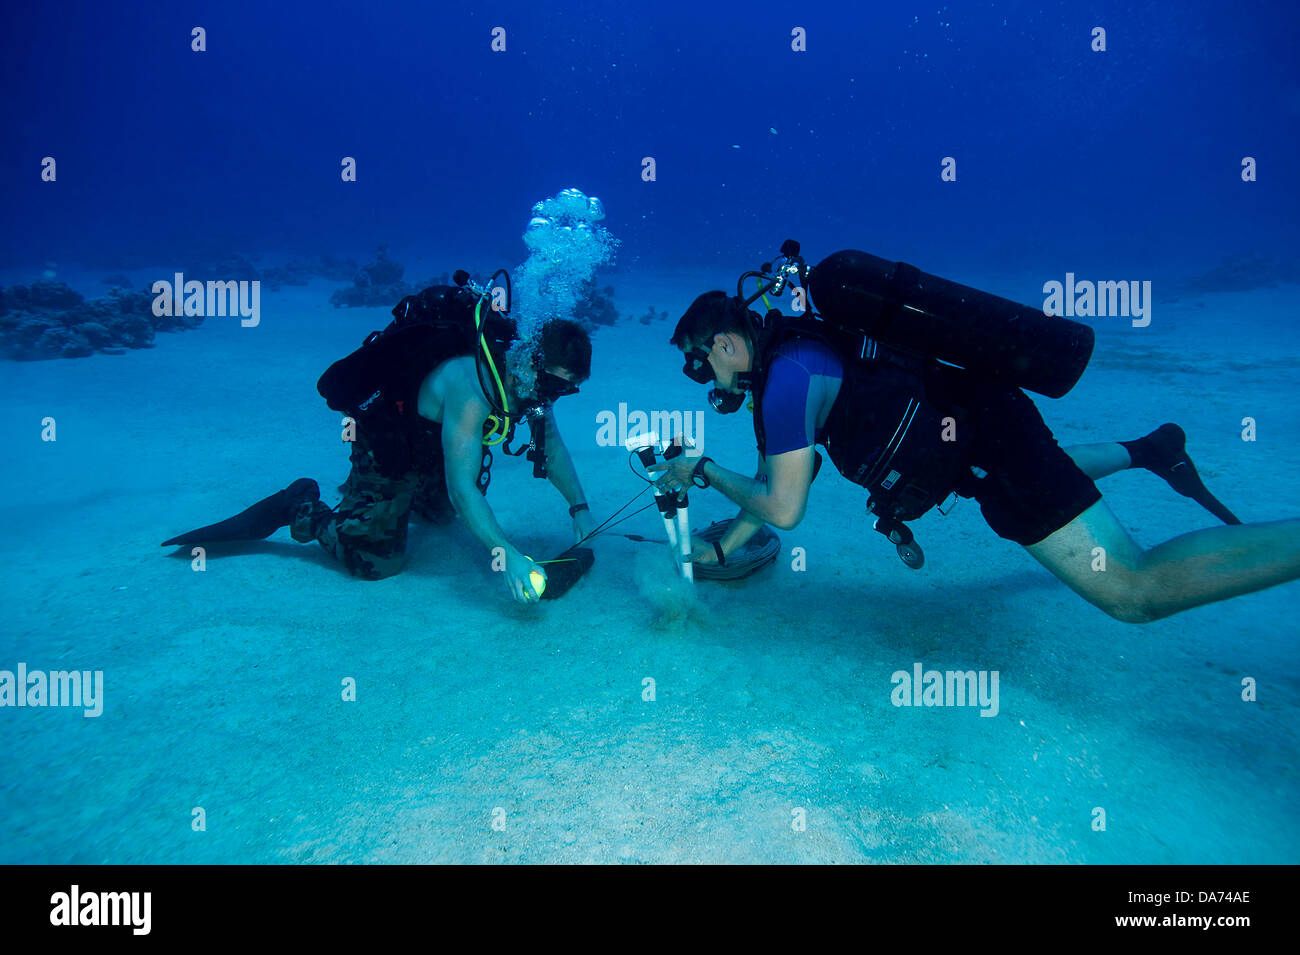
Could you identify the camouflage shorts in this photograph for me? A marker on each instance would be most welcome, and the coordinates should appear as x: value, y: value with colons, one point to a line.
x: 367, y: 531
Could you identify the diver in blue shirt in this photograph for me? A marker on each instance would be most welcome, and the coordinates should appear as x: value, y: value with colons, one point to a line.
x: 915, y: 432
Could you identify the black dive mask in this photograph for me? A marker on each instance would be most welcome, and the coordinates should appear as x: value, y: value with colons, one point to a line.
x: 550, y: 387
x: 697, y: 367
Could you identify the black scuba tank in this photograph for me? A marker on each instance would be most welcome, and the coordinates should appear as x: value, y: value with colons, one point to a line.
x: 899, y: 305
x: 378, y: 384
x: 427, y: 328
x: 388, y: 365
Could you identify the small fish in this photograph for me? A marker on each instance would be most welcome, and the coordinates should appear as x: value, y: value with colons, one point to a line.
x: 772, y: 130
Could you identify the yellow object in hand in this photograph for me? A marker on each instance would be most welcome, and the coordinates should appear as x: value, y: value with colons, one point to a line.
x: 538, y: 580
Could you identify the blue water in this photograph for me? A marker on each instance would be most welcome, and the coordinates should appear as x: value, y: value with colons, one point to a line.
x: 1122, y: 164
x: 1127, y: 157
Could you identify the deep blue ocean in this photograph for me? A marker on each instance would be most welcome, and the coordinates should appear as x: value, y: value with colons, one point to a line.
x: 1065, y: 157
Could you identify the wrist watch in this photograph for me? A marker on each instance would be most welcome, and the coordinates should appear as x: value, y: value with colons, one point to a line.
x: 697, y: 474
x: 577, y: 508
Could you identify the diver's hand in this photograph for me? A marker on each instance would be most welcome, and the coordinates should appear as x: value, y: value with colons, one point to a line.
x: 673, y: 474
x: 702, y: 552
x: 517, y: 572
x: 583, y: 524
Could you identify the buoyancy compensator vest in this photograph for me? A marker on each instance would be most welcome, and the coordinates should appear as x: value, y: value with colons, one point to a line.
x: 883, y: 432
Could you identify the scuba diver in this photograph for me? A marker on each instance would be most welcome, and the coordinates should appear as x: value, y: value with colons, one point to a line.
x: 427, y: 399
x: 913, y: 385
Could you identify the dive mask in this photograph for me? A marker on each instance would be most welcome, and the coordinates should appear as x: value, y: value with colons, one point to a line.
x: 550, y: 387
x: 697, y: 367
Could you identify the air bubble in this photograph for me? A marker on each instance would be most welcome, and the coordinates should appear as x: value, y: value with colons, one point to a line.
x: 566, y: 249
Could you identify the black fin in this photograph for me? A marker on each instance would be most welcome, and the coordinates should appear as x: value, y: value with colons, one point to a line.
x: 261, y: 520
x: 1169, y: 460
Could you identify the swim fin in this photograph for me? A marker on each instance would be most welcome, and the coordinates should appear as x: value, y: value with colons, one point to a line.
x: 1165, y: 454
x: 261, y: 520
x: 566, y: 570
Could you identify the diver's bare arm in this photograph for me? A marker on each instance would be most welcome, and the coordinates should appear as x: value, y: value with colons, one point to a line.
x: 462, y: 447
x: 781, y: 499
x: 559, y: 465
x: 745, y: 524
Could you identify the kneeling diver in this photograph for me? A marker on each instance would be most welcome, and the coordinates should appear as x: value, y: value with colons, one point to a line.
x: 430, y: 396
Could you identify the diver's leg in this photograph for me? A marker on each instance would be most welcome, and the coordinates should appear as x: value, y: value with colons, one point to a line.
x: 367, y: 531
x: 1100, y: 460
x: 1095, y: 556
x: 1163, y: 452
x: 371, y: 537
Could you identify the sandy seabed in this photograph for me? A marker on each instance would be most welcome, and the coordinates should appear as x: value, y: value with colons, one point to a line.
x: 487, y: 732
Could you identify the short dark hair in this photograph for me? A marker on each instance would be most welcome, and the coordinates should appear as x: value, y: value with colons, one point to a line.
x: 566, y: 344
x: 711, y: 314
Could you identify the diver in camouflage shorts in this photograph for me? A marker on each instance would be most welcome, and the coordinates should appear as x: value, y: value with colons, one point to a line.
x: 428, y: 397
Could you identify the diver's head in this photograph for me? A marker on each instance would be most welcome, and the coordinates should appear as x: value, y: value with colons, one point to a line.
x: 562, y: 362
x: 715, y: 334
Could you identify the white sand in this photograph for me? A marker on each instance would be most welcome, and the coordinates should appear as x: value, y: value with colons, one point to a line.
x: 223, y: 687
